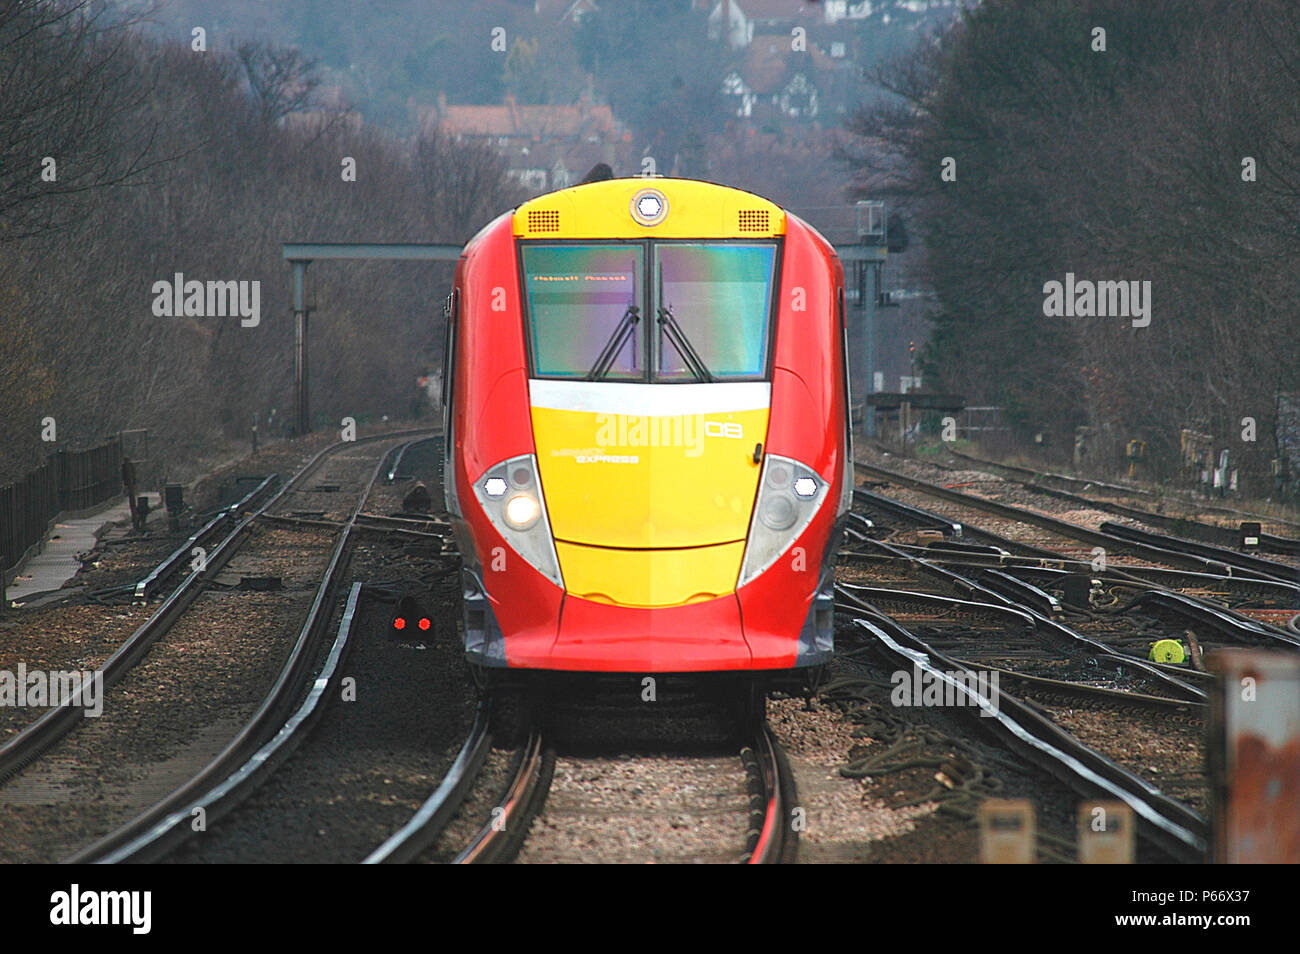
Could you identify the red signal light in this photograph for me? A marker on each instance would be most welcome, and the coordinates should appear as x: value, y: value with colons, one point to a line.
x: 409, y: 614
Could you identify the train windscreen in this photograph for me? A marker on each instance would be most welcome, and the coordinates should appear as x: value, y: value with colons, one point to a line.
x: 712, y: 307
x: 584, y: 305
x: 707, y: 317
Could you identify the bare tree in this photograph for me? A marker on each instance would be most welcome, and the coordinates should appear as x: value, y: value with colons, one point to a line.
x: 66, y: 95
x: 465, y: 183
x: 281, y: 80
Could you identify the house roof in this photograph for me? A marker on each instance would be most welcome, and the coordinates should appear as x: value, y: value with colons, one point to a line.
x: 770, y: 62
x: 511, y: 120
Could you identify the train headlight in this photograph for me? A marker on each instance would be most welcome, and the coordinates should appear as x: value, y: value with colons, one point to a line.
x: 522, y: 511
x: 789, y: 495
x: 511, y: 497
x: 778, y: 513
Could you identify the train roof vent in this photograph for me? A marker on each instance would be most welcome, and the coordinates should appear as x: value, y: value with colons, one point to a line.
x: 754, y: 220
x: 543, y: 220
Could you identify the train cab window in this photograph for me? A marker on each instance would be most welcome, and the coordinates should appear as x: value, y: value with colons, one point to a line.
x: 584, y: 310
x: 712, y: 305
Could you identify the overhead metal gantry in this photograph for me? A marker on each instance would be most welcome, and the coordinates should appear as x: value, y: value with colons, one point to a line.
x: 863, y: 259
x: 301, y: 254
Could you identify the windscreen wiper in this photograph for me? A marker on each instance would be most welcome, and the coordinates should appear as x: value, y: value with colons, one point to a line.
x: 673, y: 331
x: 614, y: 346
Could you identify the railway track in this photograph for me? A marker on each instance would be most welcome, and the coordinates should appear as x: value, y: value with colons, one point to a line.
x: 1003, y: 633
x: 933, y: 590
x: 277, y: 726
x: 1086, y: 707
x: 267, y: 742
x: 543, y: 796
x: 1261, y: 595
x: 1166, y: 551
x: 1286, y: 542
x: 1179, y: 830
x: 1239, y: 588
x: 1156, y: 735
x: 236, y: 522
x: 51, y: 732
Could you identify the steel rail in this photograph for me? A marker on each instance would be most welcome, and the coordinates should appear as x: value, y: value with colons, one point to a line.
x: 500, y: 837
x: 1248, y: 581
x: 270, y: 715
x: 1082, y: 690
x: 1050, y: 568
x: 424, y: 827
x: 1012, y: 614
x: 1022, y: 592
x: 427, y: 527
x: 924, y: 519
x: 1035, y: 475
x: 1269, y: 568
x: 397, y: 462
x: 775, y: 841
x: 1241, y: 629
x: 380, y: 528
x: 854, y: 599
x: 1224, y: 536
x: 149, y: 584
x: 1174, y: 579
x: 896, y: 508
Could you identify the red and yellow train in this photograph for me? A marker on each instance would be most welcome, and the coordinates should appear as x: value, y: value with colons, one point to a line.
x: 648, y: 449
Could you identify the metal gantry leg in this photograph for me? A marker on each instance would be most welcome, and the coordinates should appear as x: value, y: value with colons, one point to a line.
x: 300, y: 314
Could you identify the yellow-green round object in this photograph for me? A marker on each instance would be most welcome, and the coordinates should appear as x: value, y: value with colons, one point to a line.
x: 1168, y: 651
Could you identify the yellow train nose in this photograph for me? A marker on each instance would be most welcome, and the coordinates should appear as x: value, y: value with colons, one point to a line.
x: 650, y: 509
x: 650, y: 577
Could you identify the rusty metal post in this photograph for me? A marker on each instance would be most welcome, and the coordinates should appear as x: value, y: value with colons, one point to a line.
x: 1254, y: 756
x: 300, y: 314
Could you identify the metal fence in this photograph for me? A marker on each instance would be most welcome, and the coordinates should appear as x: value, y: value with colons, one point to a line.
x: 68, y: 480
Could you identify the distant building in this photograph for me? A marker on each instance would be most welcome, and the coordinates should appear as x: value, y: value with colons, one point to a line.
x: 546, y: 147
x: 738, y: 21
x: 794, y: 59
x: 775, y: 83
